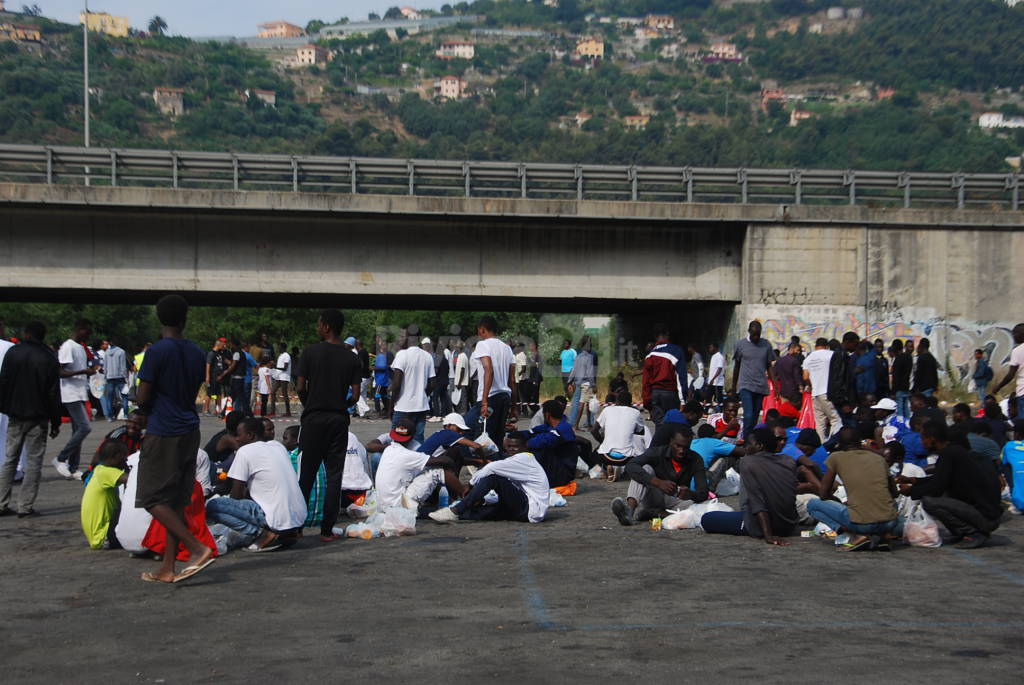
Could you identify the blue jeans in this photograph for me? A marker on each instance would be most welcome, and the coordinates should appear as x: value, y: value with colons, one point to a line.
x: 242, y: 515
x: 495, y: 424
x: 417, y: 417
x: 1020, y: 407
x: 837, y: 517
x: 112, y: 392
x: 80, y: 427
x: 903, y: 403
x: 576, y: 409
x: 928, y: 392
x: 982, y: 388
x: 374, y: 463
x: 752, y: 403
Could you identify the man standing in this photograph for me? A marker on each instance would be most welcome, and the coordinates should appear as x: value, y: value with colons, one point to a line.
x: 169, y: 380
x: 77, y: 365
x: 115, y: 365
x: 752, y: 366
x: 1016, y: 369
x: 982, y: 376
x: 902, y: 366
x: 716, y: 375
x: 364, y: 363
x: 664, y: 373
x: 582, y: 383
x: 215, y: 366
x: 790, y: 378
x: 816, y: 370
x: 29, y: 397
x: 695, y: 372
x: 462, y: 369
x: 235, y: 375
x: 283, y: 368
x: 328, y: 384
x: 412, y: 372
x: 926, y: 373
x: 522, y: 377
x: 568, y: 357
x: 496, y: 398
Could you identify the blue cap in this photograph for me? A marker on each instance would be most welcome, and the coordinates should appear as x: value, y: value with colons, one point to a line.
x: 675, y: 416
x: 350, y: 341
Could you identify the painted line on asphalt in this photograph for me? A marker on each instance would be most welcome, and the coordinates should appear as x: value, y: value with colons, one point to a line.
x: 988, y: 566
x: 535, y: 603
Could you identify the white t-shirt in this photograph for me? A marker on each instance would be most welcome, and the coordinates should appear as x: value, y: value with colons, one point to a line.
x: 620, y: 425
x: 501, y: 360
x: 263, y: 387
x: 284, y: 361
x: 72, y: 357
x: 267, y: 470
x: 417, y: 367
x: 717, y: 363
x: 1017, y: 359
x: 816, y: 365
x: 357, y: 466
x: 523, y: 470
x: 203, y: 471
x: 398, y: 466
x: 450, y: 356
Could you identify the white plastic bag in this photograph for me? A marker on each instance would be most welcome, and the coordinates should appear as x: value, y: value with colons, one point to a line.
x: 398, y: 521
x: 594, y: 406
x: 488, y: 445
x: 730, y: 485
x: 921, y: 530
x: 596, y: 473
x: 456, y: 395
x: 690, y: 517
x: 581, y: 467
x: 555, y: 499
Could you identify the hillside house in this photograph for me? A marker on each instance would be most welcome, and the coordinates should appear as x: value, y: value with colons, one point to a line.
x: 20, y: 33
x: 450, y: 88
x: 722, y: 51
x: 636, y: 122
x: 170, y: 101
x: 592, y: 48
x: 456, y: 49
x: 582, y: 118
x: 884, y: 93
x: 279, y: 29
x: 629, y: 21
x: 771, y: 94
x: 101, y: 22
x: 999, y: 120
x: 660, y: 22
x: 411, y: 13
x: 267, y: 97
x: 311, y: 55
x: 798, y: 115
x: 669, y: 51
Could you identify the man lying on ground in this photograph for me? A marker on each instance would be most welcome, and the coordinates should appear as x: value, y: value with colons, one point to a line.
x: 519, y: 482
x: 660, y: 479
x: 407, y: 478
x: 767, y: 494
x: 869, y: 514
x: 274, y: 508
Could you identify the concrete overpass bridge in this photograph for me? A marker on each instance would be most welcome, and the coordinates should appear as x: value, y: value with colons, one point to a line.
x: 810, y: 252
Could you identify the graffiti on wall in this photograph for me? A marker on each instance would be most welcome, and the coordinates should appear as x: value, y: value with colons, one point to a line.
x: 953, y: 344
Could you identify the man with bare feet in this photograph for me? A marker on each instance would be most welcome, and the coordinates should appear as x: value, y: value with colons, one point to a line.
x: 169, y: 380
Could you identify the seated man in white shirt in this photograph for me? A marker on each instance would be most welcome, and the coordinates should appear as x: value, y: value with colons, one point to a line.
x: 519, y: 482
x: 275, y: 507
x: 407, y: 478
x: 375, y: 448
x: 620, y: 428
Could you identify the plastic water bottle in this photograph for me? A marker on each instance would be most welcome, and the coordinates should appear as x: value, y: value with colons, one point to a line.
x: 442, y: 497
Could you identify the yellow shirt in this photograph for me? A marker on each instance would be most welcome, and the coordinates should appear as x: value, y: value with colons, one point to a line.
x: 99, y: 502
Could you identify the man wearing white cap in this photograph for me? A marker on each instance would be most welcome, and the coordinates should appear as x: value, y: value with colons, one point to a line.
x: 450, y: 436
x: 892, y: 425
x: 411, y: 383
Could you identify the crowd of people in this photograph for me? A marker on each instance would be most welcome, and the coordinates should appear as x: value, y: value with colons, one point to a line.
x: 847, y: 434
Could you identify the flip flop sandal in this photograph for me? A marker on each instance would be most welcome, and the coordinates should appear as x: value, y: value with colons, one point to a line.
x: 191, y: 571
x: 148, y: 577
x: 270, y: 547
x: 856, y: 547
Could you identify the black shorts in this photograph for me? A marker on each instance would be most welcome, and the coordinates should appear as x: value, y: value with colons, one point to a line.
x: 167, y: 470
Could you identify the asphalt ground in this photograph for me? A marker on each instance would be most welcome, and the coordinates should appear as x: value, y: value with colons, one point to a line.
x: 577, y: 598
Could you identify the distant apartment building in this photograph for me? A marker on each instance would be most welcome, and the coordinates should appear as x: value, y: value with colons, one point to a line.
x: 311, y: 55
x: 661, y: 22
x: 999, y: 120
x: 170, y: 101
x: 590, y: 47
x: 450, y: 88
x: 20, y: 33
x: 636, y: 122
x: 280, y: 29
x: 722, y: 51
x: 456, y: 49
x: 101, y: 22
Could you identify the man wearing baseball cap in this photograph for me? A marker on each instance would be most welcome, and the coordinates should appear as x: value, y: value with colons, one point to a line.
x: 449, y: 440
x: 406, y: 478
x: 892, y: 426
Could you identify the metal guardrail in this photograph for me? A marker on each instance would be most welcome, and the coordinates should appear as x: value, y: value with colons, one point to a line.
x: 219, y: 170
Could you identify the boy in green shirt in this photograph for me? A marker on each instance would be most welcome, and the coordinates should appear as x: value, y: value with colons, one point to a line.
x: 101, y: 503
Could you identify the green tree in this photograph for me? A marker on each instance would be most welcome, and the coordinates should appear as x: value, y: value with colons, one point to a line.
x: 157, y: 26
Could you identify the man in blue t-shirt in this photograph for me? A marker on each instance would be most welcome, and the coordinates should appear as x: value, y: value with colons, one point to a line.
x: 450, y: 435
x: 568, y: 358
x: 1013, y: 467
x: 719, y: 456
x: 797, y: 438
x: 169, y: 381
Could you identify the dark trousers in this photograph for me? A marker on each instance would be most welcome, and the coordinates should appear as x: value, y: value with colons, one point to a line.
x: 495, y: 424
x: 239, y: 397
x: 661, y: 402
x: 958, y: 516
x: 323, y: 439
x: 511, y: 505
x: 280, y: 387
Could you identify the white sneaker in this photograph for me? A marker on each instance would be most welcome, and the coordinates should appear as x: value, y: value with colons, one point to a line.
x: 62, y: 468
x: 445, y: 515
x: 77, y: 475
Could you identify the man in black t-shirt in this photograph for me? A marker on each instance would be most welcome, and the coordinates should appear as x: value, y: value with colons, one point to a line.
x: 216, y: 363
x: 926, y: 373
x: 328, y: 384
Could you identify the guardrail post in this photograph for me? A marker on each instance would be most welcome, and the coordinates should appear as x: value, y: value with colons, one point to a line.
x: 688, y: 180
x: 796, y: 179
x: 631, y: 174
x: 352, y: 175
x: 295, y: 174
x: 113, y: 168
x: 174, y: 170
x: 234, y: 170
x: 465, y: 173
x: 411, y: 167
x: 850, y: 179
x: 958, y: 181
x: 522, y: 181
x: 49, y: 166
x: 741, y: 178
x: 577, y: 173
x: 1012, y: 183
x: 903, y: 181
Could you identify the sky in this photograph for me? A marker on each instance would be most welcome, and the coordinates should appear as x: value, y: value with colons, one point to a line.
x: 222, y: 17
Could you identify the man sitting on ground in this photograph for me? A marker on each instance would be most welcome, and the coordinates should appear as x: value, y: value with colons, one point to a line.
x: 767, y: 494
x: 450, y: 441
x: 130, y: 434
x: 553, y: 444
x: 1013, y: 467
x: 407, y: 478
x: 660, y: 479
x: 519, y: 482
x: 620, y: 429
x: 719, y: 456
x: 869, y: 514
x: 275, y: 507
x: 101, y: 504
x: 963, y: 491
x: 691, y: 415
